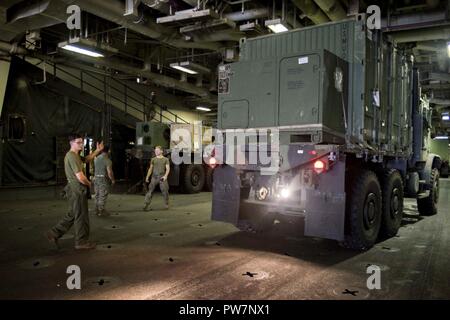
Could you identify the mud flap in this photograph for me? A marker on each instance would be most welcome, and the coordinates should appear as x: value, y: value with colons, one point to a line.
x: 325, y: 205
x: 226, y: 195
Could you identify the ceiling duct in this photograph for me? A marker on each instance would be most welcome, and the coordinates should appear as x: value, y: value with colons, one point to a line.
x: 12, y: 48
x: 159, y: 5
x: 220, y: 36
x: 311, y: 10
x: 333, y: 9
x: 113, y: 10
x: 441, y: 33
x: 25, y: 16
x: 412, y: 20
x: 218, y: 25
x: 248, y: 14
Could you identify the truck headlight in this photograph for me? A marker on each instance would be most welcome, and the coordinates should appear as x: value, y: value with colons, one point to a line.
x: 262, y: 193
x: 285, y: 193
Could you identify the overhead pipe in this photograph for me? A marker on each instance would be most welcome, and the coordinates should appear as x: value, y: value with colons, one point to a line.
x: 332, y: 8
x: 23, y: 17
x: 424, y: 46
x: 311, y: 10
x: 249, y: 14
x: 159, y: 5
x: 412, y: 21
x: 113, y: 10
x: 418, y: 35
x: 219, y: 36
x: 12, y: 49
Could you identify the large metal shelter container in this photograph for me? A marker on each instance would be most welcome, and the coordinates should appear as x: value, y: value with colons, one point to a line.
x: 329, y: 83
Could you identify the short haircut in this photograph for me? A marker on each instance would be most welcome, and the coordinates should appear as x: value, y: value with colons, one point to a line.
x: 105, y: 149
x: 159, y: 147
x: 74, y: 136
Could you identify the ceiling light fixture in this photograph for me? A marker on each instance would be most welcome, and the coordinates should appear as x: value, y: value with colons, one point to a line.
x: 85, y: 52
x: 203, y: 109
x: 87, y: 47
x: 277, y: 25
x: 190, y: 67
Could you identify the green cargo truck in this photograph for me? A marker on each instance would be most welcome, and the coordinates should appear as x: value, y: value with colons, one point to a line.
x: 352, y: 125
x: 190, y: 177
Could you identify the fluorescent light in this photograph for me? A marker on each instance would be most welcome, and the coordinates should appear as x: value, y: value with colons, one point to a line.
x: 190, y: 67
x: 278, y: 28
x: 86, y: 52
x: 277, y: 25
x: 88, y: 47
x: 448, y: 49
x: 178, y: 67
x: 440, y: 138
x: 446, y: 118
x: 203, y: 109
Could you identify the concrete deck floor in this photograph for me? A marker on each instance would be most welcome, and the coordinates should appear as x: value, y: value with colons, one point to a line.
x: 181, y: 254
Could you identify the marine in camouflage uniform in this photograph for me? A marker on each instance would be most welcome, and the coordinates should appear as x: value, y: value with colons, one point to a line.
x: 159, y: 171
x: 77, y: 190
x: 103, y: 180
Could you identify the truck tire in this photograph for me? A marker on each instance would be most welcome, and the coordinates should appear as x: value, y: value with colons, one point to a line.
x: 193, y: 178
x: 392, y: 204
x: 363, y: 211
x: 412, y: 185
x: 209, y: 179
x: 428, y: 206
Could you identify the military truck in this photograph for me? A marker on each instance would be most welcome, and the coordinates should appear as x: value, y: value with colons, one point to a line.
x: 190, y: 177
x: 352, y: 126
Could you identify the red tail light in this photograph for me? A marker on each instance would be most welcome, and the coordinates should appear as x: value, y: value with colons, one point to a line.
x: 319, y: 166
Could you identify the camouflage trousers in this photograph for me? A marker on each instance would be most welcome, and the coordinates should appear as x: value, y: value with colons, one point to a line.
x: 102, y: 187
x: 163, y: 185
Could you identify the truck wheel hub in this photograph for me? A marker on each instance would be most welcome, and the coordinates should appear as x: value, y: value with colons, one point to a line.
x: 370, y: 210
x: 195, y: 178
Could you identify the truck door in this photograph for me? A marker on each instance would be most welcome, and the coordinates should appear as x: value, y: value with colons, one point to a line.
x: 299, y: 90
